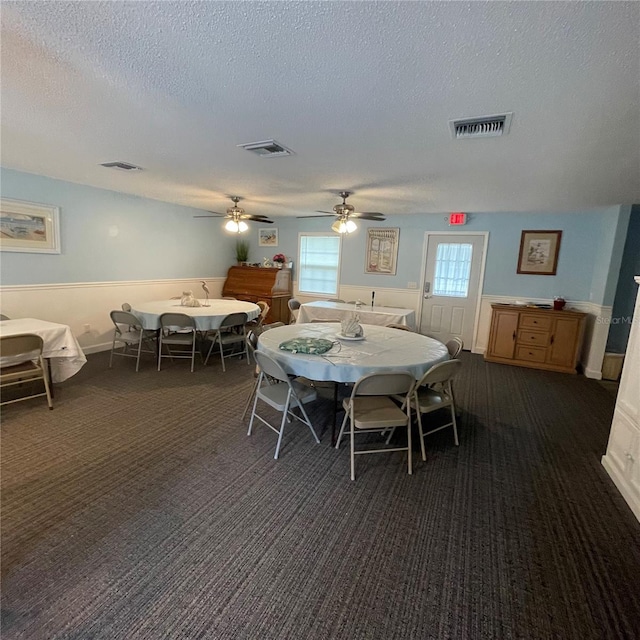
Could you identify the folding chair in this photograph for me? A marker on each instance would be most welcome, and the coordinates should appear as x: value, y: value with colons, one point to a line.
x: 294, y: 309
x: 225, y: 337
x: 131, y: 336
x: 177, y: 330
x: 454, y: 346
x: 370, y: 408
x: 432, y: 392
x: 276, y: 389
x: 26, y: 364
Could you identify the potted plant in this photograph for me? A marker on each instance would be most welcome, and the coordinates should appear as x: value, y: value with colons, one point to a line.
x: 242, y: 250
x: 279, y: 259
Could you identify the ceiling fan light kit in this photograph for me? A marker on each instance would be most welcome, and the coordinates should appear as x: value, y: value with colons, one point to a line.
x: 238, y: 226
x: 236, y: 217
x: 344, y: 225
x: 345, y: 213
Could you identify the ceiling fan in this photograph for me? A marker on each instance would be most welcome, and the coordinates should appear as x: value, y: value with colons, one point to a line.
x: 345, y: 213
x: 237, y: 216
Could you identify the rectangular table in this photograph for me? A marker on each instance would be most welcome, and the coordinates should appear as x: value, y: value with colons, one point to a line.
x: 324, y: 311
x: 61, y: 349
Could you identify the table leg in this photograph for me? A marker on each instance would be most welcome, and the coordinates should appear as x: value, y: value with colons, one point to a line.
x: 335, y: 413
x: 49, y: 376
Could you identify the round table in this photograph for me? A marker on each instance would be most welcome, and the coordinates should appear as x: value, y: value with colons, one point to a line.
x: 383, y: 349
x: 207, y: 318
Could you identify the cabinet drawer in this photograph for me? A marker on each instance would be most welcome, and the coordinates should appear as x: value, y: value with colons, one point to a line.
x: 535, y: 321
x: 527, y: 337
x: 532, y: 354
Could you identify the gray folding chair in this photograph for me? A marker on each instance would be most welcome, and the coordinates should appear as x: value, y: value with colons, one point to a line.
x: 232, y: 332
x: 259, y: 321
x: 179, y: 335
x: 370, y: 408
x: 432, y: 392
x: 275, y: 389
x: 26, y: 364
x: 294, y: 308
x: 454, y: 346
x: 130, y: 337
x: 252, y: 347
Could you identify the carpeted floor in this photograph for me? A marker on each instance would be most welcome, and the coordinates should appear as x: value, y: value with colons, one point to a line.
x: 139, y: 509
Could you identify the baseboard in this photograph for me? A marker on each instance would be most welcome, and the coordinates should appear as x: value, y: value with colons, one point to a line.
x: 622, y: 486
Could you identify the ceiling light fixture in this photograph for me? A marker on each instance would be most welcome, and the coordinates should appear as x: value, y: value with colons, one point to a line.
x: 344, y: 225
x: 235, y: 225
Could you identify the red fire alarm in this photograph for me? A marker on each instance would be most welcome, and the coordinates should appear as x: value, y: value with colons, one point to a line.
x: 457, y: 218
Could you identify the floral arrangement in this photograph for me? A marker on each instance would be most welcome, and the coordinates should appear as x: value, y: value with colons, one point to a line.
x: 279, y: 257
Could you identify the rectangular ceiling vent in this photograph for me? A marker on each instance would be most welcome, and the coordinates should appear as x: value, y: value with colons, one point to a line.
x: 122, y: 166
x: 482, y: 127
x: 267, y: 149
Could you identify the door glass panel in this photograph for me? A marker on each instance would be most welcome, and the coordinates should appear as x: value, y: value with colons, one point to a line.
x: 453, y: 270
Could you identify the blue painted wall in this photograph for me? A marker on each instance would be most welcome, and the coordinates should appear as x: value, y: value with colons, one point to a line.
x: 585, y: 235
x: 157, y: 240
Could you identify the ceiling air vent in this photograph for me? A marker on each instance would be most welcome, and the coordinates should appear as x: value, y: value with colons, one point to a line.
x: 267, y: 149
x: 122, y: 166
x: 482, y: 127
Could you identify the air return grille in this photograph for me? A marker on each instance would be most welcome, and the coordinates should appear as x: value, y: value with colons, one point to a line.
x: 482, y: 127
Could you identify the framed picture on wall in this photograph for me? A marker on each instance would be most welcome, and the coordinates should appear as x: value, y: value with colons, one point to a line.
x: 539, y: 252
x: 29, y: 227
x: 267, y: 237
x: 382, y: 251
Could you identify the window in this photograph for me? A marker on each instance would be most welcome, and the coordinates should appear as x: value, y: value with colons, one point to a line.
x: 319, y: 263
x: 453, y: 270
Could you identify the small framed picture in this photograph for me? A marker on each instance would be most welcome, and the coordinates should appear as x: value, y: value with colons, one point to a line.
x: 267, y: 237
x: 539, y: 252
x: 29, y: 227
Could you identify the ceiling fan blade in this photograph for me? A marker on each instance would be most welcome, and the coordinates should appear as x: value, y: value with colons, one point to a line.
x: 331, y: 213
x: 253, y: 216
x: 205, y: 216
x: 257, y: 219
x: 326, y: 215
x: 369, y: 216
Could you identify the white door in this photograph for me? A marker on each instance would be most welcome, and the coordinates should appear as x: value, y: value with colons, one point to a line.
x: 451, y: 286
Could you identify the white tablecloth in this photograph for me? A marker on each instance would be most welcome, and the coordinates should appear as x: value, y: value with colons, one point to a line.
x: 207, y: 318
x: 326, y: 311
x: 60, y: 346
x: 383, y: 349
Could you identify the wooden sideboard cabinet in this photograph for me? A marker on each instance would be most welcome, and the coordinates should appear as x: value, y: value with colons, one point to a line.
x: 261, y: 283
x: 536, y: 338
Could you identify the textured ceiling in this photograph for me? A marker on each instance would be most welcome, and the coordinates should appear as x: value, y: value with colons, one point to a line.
x: 361, y: 91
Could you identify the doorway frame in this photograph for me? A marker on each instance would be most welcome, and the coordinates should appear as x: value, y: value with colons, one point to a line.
x: 483, y: 262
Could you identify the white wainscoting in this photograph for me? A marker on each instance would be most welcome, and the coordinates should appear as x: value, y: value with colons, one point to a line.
x: 595, y: 338
x: 89, y: 303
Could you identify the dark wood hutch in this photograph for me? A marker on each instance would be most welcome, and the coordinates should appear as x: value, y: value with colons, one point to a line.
x: 261, y: 283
